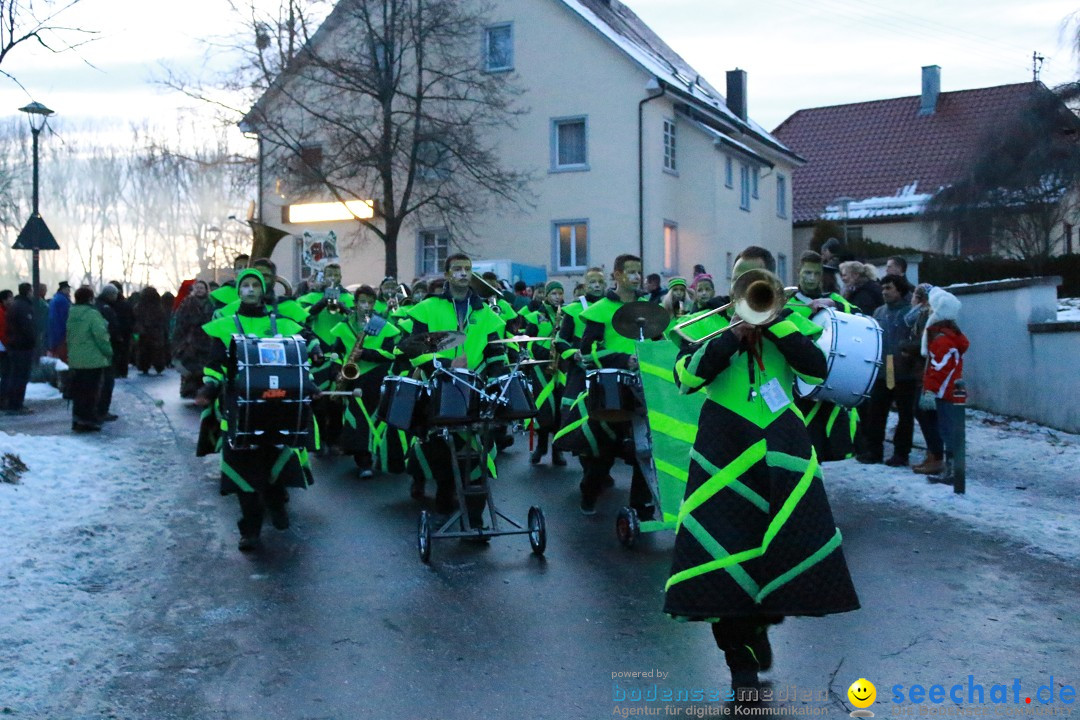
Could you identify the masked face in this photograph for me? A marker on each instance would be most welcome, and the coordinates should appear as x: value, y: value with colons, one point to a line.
x: 388, y: 288
x: 459, y: 274
x: 419, y: 295
x: 268, y: 275
x: 332, y: 276
x: 250, y: 291
x: 200, y: 290
x: 705, y: 291
x: 555, y: 297
x: 678, y: 293
x: 629, y: 278
x: 810, y: 278
x: 595, y: 284
x: 364, y: 305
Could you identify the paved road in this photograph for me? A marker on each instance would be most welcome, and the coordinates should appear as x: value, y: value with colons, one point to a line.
x: 337, y: 618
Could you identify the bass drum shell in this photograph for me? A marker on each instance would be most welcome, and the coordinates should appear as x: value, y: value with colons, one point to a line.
x: 402, y: 402
x: 852, y: 345
x: 511, y: 397
x: 268, y: 392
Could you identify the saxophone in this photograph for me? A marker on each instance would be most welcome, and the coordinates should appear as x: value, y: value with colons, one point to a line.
x: 553, y: 369
x: 350, y: 370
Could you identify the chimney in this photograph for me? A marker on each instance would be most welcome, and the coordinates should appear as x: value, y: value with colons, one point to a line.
x: 736, y: 92
x: 931, y: 88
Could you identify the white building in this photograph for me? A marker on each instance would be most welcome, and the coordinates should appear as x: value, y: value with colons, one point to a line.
x: 631, y: 151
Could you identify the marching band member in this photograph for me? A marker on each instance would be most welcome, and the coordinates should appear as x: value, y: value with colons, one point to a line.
x: 327, y: 306
x: 363, y: 367
x: 225, y: 294
x: 284, y: 307
x: 832, y: 428
x: 544, y: 321
x: 606, y: 348
x: 457, y: 309
x: 258, y: 476
x: 756, y: 539
x: 674, y: 300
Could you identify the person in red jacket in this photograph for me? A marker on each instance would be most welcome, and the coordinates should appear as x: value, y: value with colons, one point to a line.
x: 943, y: 380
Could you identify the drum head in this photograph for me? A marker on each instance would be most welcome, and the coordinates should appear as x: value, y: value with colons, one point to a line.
x: 852, y: 345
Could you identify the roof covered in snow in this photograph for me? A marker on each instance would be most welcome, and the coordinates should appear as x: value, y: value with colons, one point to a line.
x: 886, y: 156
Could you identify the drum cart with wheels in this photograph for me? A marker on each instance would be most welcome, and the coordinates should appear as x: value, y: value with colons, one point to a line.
x: 477, y: 515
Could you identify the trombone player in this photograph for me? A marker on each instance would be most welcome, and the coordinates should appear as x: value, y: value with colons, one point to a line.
x: 756, y: 539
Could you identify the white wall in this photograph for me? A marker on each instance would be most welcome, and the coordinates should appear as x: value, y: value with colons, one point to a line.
x: 1011, y: 370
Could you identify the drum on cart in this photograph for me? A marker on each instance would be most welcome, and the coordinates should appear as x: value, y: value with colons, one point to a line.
x: 509, y: 397
x: 453, y: 397
x: 402, y: 402
x: 613, y: 395
x: 852, y: 344
x: 268, y: 392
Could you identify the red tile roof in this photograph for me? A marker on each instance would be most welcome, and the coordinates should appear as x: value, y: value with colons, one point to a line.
x: 873, y: 149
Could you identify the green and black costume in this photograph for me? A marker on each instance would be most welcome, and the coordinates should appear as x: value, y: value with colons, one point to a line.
x: 321, y: 319
x: 755, y: 536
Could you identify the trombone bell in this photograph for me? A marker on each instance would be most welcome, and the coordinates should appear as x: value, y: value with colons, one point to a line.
x: 758, y: 296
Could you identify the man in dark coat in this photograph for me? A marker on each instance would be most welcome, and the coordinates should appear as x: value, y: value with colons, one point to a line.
x: 125, y: 326
x: 21, y: 338
x: 104, y: 305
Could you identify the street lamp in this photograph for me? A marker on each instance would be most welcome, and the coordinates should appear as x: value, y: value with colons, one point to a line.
x: 35, y: 234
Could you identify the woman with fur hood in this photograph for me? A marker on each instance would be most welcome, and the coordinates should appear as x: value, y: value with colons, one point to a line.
x: 943, y: 388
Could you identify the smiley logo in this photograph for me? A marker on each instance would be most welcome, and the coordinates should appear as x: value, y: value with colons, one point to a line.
x: 862, y: 693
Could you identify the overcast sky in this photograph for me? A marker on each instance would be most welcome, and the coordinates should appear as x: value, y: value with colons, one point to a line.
x: 798, y: 53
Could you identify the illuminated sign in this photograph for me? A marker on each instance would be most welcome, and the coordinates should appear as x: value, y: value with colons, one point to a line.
x: 329, y: 211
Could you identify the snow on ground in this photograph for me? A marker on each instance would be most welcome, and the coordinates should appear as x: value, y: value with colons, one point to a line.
x: 41, y: 391
x: 79, y: 533
x: 1022, y: 482
x: 1068, y: 310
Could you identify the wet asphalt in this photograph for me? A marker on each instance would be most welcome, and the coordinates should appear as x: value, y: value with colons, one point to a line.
x: 338, y: 618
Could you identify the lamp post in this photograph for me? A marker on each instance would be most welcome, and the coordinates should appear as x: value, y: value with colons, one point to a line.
x: 35, y: 235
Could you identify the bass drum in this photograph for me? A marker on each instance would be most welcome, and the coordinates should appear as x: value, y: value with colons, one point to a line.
x: 402, y: 402
x: 268, y: 392
x: 511, y: 398
x: 613, y: 395
x: 852, y: 344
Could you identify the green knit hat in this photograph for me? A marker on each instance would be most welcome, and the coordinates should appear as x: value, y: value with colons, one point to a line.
x: 553, y: 285
x: 248, y: 272
x: 676, y: 282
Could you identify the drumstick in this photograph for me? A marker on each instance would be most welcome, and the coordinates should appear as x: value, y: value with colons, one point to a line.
x: 343, y: 393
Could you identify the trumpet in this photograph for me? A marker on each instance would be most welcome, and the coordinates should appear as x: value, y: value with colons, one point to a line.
x: 333, y: 301
x: 758, y: 296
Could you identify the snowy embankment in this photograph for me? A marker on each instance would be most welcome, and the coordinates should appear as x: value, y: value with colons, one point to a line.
x: 81, y: 531
x: 1022, y: 481
x: 1068, y: 310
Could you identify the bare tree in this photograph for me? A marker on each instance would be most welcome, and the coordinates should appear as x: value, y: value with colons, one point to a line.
x: 23, y: 21
x: 390, y: 102
x: 1023, y: 186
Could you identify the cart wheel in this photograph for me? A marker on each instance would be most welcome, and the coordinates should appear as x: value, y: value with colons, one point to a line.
x: 627, y: 526
x: 537, y: 530
x: 423, y: 536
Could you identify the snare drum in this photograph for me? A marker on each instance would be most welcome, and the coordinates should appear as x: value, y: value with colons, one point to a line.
x: 613, y: 395
x: 510, y: 397
x: 852, y: 344
x: 402, y: 402
x: 454, y: 398
x: 268, y: 392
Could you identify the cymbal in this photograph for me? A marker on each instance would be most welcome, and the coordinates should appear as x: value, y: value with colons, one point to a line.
x: 521, y: 339
x: 636, y: 319
x: 482, y: 287
x: 432, y: 342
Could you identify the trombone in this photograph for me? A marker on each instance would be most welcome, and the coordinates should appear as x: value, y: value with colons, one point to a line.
x: 758, y: 296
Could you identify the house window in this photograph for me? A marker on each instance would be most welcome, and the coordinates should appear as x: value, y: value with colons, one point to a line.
x: 569, y: 144
x: 499, y: 48
x: 434, y: 249
x: 671, y: 247
x: 781, y: 267
x: 310, y: 166
x: 432, y: 160
x: 744, y: 186
x: 781, y: 196
x: 754, y: 173
x: 571, y: 245
x: 669, y: 146
x: 729, y: 172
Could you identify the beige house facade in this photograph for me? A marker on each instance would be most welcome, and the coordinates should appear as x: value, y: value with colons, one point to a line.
x: 629, y: 150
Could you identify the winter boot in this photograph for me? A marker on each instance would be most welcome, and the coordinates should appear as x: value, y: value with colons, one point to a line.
x: 557, y: 458
x: 931, y: 465
x: 946, y: 476
x: 744, y: 671
x: 541, y: 449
